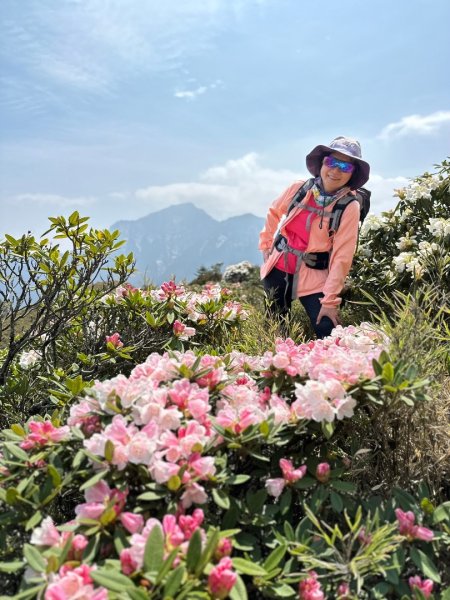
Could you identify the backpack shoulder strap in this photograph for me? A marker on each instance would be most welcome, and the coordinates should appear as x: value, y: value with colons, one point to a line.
x: 300, y: 194
x: 338, y: 211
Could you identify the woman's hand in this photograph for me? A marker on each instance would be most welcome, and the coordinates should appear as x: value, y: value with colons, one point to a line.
x: 332, y: 312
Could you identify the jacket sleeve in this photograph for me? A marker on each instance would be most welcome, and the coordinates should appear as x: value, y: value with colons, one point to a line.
x: 343, y: 250
x: 274, y: 215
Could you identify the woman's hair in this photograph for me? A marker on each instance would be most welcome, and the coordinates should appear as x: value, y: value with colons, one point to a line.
x: 354, y: 176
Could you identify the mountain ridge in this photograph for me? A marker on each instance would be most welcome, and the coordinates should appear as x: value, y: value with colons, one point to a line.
x: 177, y: 240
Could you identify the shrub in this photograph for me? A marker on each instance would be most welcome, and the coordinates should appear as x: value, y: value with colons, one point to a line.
x: 409, y: 245
x: 251, y: 440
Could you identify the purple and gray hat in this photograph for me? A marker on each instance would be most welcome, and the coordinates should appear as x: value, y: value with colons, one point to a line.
x: 344, y: 145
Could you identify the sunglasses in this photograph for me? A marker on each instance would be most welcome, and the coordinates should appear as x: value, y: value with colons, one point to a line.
x: 342, y: 165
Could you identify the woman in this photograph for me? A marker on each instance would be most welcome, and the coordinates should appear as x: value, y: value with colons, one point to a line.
x: 306, y: 255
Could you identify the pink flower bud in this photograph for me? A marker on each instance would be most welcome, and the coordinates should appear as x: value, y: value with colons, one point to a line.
x: 323, y: 472
x: 223, y: 548
x: 132, y: 522
x: 343, y: 591
x: 127, y: 563
x: 310, y: 588
x: 425, y: 585
x: 115, y: 340
x: 221, y: 579
x: 363, y: 537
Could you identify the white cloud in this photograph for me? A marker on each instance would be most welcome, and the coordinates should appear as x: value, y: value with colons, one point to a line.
x: 192, y: 94
x: 382, y: 189
x: 416, y: 124
x: 91, y: 45
x: 60, y: 202
x: 238, y: 186
x: 244, y: 185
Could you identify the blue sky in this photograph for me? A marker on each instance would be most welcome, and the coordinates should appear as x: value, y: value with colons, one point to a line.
x: 118, y: 108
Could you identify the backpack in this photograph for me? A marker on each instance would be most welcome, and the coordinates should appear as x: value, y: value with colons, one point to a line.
x: 362, y: 195
x: 319, y: 260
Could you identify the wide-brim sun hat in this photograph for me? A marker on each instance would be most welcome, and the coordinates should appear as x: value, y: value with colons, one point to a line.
x: 343, y: 145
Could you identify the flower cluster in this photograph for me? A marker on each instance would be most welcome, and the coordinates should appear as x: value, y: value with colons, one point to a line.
x: 29, y: 359
x: 407, y: 528
x: 238, y: 273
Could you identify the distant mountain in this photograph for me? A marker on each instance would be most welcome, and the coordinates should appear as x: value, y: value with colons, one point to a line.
x: 179, y: 239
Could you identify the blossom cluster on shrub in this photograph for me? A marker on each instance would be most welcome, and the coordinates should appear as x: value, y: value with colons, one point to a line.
x: 112, y: 336
x: 410, y: 243
x: 179, y: 465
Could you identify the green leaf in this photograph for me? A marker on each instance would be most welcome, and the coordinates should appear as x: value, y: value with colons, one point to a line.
x: 327, y: 429
x: 11, y: 567
x: 221, y: 498
x: 442, y: 513
x: 167, y: 565
x: 388, y: 372
x: 445, y: 594
x: 34, y: 558
x: 109, y: 450
x: 238, y: 479
x: 174, y: 581
x: 238, y: 591
x: 16, y: 451
x: 248, y: 568
x: 111, y: 580
x: 149, y: 496
x: 93, y: 480
x: 274, y: 558
x: 194, y: 551
x: 18, y: 430
x: 33, y: 521
x: 54, y: 474
x: 336, y: 501
x: 136, y: 594
x: 283, y: 590
x: 31, y: 593
x: 285, y: 501
x: 343, y: 486
x: 154, y: 550
x: 425, y: 564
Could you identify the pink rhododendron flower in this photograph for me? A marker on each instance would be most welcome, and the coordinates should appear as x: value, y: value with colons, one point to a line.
x: 98, y: 498
x: 71, y: 584
x: 132, y: 522
x: 407, y: 528
x: 190, y: 523
x: 310, y: 588
x: 181, y: 330
x: 424, y: 585
x: 193, y: 494
x: 221, y: 579
x: 274, y: 487
x: 42, y: 433
x: 323, y: 471
x: 115, y: 340
x: 343, y: 591
x: 46, y: 534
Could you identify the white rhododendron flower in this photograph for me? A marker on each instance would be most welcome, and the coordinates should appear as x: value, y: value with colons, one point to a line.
x: 439, y: 227
x: 28, y: 359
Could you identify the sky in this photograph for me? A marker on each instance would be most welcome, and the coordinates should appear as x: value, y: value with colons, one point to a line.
x: 119, y: 108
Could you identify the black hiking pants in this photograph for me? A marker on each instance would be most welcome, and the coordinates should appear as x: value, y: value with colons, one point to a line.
x: 280, y: 295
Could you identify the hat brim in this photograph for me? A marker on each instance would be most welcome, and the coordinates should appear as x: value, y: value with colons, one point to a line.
x: 314, y: 164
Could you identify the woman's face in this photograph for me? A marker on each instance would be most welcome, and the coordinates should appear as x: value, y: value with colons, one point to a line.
x: 333, y: 178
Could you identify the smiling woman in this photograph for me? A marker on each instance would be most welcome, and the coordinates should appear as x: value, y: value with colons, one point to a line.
x: 302, y: 258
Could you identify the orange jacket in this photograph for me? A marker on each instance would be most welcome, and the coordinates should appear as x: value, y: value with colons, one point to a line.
x: 341, y: 245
